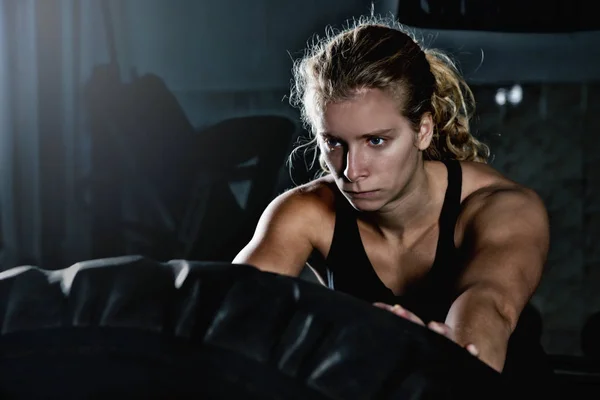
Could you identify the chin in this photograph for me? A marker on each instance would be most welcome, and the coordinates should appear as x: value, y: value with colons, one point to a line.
x: 365, y: 205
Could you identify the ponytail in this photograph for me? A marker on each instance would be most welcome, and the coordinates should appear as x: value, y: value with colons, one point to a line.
x: 452, y: 105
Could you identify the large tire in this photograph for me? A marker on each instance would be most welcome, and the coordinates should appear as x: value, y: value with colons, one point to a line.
x: 134, y: 327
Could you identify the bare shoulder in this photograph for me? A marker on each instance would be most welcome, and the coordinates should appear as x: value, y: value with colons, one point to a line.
x: 310, y: 209
x: 313, y: 199
x: 293, y: 225
x: 478, y: 177
x: 490, y: 198
x: 482, y: 180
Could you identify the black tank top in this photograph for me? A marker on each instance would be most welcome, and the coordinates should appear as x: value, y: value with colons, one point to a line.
x: 348, y: 269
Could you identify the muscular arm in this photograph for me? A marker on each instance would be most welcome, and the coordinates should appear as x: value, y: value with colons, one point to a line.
x: 283, y: 239
x: 506, y: 237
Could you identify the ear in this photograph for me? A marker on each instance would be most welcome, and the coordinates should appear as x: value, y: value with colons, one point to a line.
x: 425, y: 133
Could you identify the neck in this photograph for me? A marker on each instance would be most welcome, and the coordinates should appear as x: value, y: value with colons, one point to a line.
x: 413, y: 208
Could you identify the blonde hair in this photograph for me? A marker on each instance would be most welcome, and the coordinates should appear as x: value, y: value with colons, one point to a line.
x: 377, y: 54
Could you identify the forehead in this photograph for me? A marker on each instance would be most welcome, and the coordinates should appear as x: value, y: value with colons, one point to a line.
x: 369, y: 110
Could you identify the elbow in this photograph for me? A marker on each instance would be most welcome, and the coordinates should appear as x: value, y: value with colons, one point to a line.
x: 503, y: 306
x: 507, y: 312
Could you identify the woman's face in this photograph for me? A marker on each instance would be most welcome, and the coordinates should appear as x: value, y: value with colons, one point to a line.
x: 370, y: 148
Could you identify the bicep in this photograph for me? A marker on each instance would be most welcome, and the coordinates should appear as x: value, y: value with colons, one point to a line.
x: 505, y: 247
x: 282, y: 239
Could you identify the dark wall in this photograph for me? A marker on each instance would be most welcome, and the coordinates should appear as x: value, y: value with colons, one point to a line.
x: 550, y: 143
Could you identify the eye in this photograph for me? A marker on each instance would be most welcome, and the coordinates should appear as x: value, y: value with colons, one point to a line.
x: 376, y: 141
x: 331, y: 143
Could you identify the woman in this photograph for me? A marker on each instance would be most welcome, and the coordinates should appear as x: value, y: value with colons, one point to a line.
x: 407, y: 215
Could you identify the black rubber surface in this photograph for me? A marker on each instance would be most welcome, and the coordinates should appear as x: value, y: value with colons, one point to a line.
x: 137, y: 328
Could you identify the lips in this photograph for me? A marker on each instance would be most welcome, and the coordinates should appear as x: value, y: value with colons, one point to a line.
x: 366, y: 193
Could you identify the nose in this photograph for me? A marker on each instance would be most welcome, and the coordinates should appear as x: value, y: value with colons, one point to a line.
x: 355, y: 168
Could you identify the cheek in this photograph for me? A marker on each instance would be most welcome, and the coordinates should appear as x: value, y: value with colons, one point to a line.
x: 397, y: 155
x: 331, y: 158
x: 396, y: 162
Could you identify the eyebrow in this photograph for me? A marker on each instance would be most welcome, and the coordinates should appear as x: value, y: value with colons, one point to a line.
x: 365, y: 135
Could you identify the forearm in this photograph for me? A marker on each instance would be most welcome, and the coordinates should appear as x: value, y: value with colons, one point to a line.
x: 478, y: 318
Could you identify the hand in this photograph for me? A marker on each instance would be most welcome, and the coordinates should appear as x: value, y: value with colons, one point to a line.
x: 438, y: 327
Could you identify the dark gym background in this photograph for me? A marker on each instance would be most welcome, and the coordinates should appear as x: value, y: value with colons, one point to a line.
x: 161, y: 127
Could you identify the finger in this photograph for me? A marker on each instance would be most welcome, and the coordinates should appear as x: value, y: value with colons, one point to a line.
x: 403, y: 312
x: 440, y: 328
x: 383, y: 306
x: 471, y: 348
x: 400, y: 311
